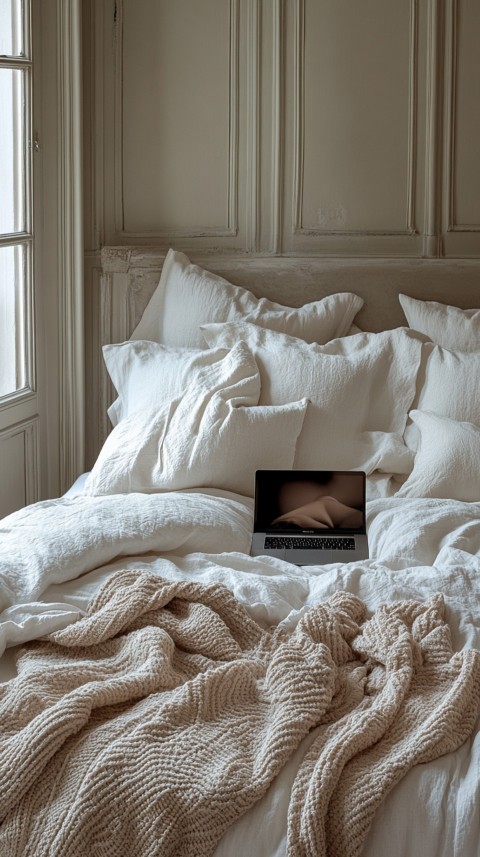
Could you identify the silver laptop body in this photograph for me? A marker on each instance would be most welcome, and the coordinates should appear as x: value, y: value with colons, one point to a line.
x: 310, y: 517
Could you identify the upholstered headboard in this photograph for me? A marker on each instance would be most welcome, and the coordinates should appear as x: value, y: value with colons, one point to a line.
x: 130, y: 275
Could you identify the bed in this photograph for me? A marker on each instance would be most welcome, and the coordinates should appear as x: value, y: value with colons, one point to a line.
x: 166, y: 693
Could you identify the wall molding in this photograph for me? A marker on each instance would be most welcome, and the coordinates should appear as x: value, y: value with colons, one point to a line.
x: 230, y: 229
x: 451, y: 36
x: 451, y: 41
x: 105, y: 330
x: 70, y: 242
x: 32, y: 470
x: 410, y: 227
x: 298, y: 115
x: 29, y: 428
x: 253, y: 124
x: 278, y: 125
x: 94, y: 119
x: 299, y: 136
x: 432, y: 237
x: 234, y: 140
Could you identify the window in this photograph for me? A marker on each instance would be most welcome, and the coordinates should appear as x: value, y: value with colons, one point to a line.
x: 16, y: 231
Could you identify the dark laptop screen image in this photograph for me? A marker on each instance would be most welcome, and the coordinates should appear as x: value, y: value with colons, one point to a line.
x: 306, y: 502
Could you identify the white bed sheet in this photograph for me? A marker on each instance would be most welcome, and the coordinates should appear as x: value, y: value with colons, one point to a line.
x: 63, y: 550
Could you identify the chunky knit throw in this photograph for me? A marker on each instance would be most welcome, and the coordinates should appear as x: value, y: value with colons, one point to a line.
x: 152, y: 724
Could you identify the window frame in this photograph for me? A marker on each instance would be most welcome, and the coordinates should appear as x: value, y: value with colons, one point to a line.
x: 23, y: 309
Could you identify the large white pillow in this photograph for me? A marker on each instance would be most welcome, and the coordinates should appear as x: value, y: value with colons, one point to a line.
x: 206, y: 440
x: 449, y: 326
x: 447, y: 462
x: 360, y: 388
x: 148, y: 374
x: 448, y: 383
x: 188, y: 296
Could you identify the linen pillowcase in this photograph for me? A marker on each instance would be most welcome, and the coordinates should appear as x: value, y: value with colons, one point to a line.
x: 188, y: 296
x: 197, y: 441
x: 447, y: 462
x: 360, y: 389
x: 449, y: 326
x: 448, y: 383
x: 148, y: 374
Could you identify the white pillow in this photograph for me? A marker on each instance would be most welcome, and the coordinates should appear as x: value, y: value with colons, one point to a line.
x: 147, y: 374
x: 360, y: 388
x: 447, y: 462
x: 448, y: 383
x: 197, y: 441
x: 188, y: 296
x: 449, y: 326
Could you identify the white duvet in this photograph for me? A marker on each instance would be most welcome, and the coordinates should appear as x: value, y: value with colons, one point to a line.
x: 54, y: 556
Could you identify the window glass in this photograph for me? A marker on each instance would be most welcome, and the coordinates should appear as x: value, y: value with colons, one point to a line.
x: 13, y: 279
x: 11, y: 28
x: 16, y: 238
x: 12, y: 150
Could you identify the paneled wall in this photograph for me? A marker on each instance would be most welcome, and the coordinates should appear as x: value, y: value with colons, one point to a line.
x: 345, y: 127
x: 289, y: 127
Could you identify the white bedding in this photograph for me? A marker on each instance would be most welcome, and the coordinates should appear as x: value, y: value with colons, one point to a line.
x: 63, y: 550
x: 56, y: 555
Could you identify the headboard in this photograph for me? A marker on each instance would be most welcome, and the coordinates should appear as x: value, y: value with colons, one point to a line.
x: 130, y: 275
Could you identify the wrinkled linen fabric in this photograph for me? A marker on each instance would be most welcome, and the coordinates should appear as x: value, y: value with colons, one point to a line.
x: 360, y: 389
x: 147, y: 374
x: 152, y: 724
x: 447, y: 460
x: 188, y: 296
x: 196, y: 440
x: 448, y: 326
x: 55, y: 541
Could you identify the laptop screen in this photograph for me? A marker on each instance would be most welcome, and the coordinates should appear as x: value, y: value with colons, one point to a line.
x: 309, y: 501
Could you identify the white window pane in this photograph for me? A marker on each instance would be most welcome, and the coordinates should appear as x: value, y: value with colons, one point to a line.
x: 13, y: 360
x: 12, y: 150
x: 11, y: 28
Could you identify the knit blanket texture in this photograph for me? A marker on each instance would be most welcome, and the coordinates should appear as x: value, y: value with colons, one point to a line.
x: 157, y: 720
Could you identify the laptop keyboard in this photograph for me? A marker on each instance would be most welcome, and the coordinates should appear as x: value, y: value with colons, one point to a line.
x: 344, y: 543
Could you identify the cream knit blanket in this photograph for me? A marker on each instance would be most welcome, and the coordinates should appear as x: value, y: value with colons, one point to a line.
x: 157, y: 720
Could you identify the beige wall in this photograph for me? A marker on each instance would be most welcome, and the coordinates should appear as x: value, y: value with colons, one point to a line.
x: 294, y: 127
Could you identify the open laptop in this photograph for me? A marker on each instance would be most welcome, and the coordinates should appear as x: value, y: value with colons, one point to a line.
x: 310, y: 517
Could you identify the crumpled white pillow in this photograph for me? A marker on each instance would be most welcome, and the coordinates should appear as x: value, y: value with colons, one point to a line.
x: 360, y: 389
x: 206, y: 440
x: 447, y: 461
x: 448, y: 383
x: 449, y: 326
x: 188, y: 296
x: 148, y: 374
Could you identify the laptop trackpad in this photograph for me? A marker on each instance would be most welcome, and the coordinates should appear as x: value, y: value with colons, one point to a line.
x: 313, y: 557
x: 304, y: 557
